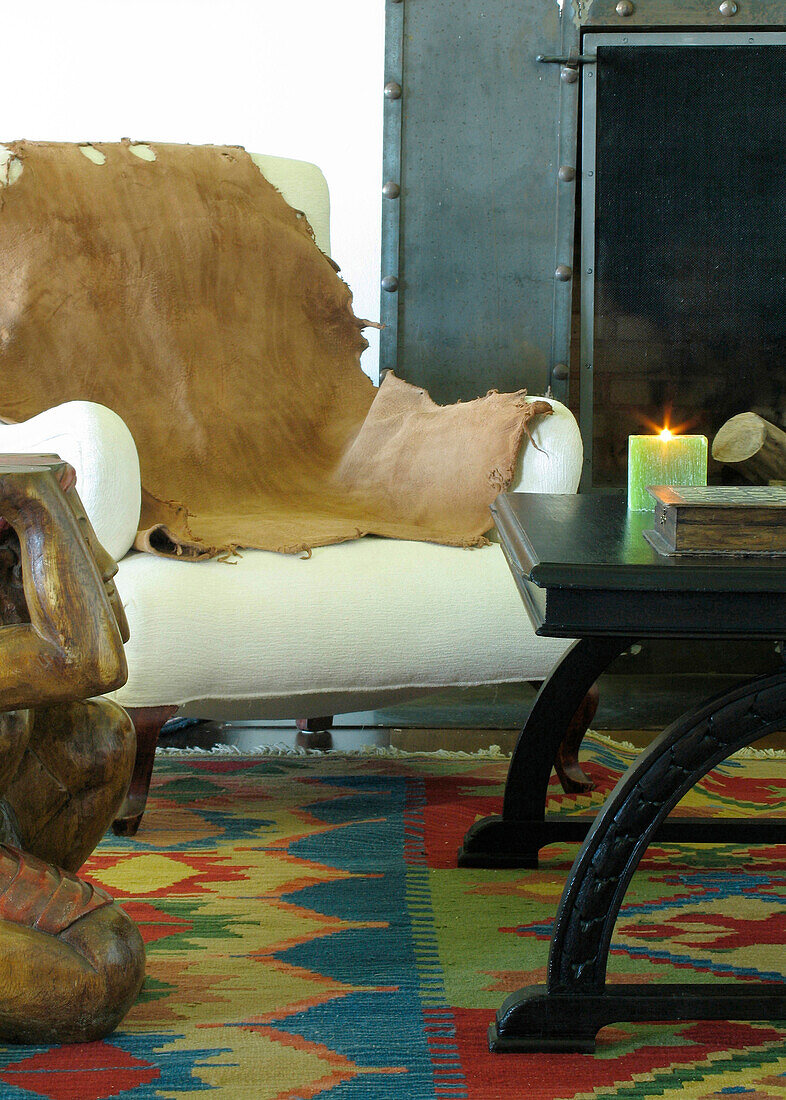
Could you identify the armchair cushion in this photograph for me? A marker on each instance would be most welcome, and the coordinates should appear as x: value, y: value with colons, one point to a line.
x: 353, y: 627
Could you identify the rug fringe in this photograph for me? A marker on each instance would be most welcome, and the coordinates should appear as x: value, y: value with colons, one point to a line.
x: 493, y: 752
x: 747, y: 753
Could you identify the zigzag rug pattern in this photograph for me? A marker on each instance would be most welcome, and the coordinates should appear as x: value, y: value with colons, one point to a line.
x: 309, y: 936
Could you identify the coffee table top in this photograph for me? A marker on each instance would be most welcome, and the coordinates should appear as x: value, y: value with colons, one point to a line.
x: 583, y: 566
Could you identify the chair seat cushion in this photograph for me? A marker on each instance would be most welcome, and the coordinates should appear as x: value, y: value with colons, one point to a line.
x: 356, y: 625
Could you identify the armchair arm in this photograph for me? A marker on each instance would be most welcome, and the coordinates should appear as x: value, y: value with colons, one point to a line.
x: 556, y: 467
x: 101, y: 449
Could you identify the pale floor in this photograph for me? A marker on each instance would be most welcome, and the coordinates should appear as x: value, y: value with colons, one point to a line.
x: 251, y: 739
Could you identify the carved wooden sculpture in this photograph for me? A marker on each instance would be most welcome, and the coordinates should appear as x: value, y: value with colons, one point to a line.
x: 71, y: 961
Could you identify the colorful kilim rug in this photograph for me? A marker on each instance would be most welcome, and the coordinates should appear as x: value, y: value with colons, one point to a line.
x: 308, y: 935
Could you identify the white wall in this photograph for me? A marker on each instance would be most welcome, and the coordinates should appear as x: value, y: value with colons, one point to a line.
x: 294, y: 78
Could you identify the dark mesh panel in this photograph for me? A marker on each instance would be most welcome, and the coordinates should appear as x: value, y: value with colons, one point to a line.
x: 690, y: 266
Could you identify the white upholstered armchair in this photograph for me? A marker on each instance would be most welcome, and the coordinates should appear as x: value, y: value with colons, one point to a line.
x: 357, y: 625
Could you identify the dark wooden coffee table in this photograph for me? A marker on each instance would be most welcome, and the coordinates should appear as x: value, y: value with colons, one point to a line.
x: 585, y: 571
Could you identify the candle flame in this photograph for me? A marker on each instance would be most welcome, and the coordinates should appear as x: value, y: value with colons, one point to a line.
x: 666, y: 429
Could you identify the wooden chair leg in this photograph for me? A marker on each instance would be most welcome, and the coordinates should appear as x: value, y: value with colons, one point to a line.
x: 569, y: 772
x: 314, y: 733
x: 147, y: 723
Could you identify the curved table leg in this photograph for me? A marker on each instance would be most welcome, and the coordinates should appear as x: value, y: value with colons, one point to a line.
x: 514, y: 839
x: 575, y: 1003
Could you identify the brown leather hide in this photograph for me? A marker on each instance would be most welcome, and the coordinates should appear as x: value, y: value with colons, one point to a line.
x: 185, y: 294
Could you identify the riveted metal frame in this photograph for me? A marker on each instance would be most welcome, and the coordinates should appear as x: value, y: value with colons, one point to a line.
x: 477, y: 158
x: 567, y: 138
x: 684, y: 13
x: 587, y: 253
x: 395, y: 14
x: 590, y: 44
x: 403, y: 21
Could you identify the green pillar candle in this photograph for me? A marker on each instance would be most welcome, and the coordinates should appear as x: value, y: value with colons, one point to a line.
x: 663, y: 459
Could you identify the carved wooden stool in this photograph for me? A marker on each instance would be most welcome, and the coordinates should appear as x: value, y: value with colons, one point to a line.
x: 71, y: 961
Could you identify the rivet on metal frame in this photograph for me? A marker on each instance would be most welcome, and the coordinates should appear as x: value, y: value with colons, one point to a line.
x: 392, y: 90
x: 390, y: 283
x: 391, y: 190
x: 563, y: 273
x: 567, y: 173
x: 568, y: 75
x: 560, y: 371
x: 728, y: 8
x: 625, y: 8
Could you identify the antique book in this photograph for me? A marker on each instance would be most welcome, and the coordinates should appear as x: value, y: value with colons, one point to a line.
x: 718, y: 519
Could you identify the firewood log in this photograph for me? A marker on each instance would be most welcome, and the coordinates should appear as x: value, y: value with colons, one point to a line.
x: 753, y: 446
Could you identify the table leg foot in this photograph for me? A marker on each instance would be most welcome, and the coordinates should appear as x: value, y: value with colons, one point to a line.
x: 535, y: 1019
x: 494, y: 842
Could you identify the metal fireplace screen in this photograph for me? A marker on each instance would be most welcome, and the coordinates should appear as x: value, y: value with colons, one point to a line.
x: 684, y: 299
